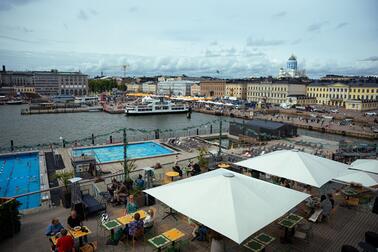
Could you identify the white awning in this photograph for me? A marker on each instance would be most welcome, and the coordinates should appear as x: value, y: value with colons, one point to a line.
x: 230, y: 203
x: 360, y: 177
x: 297, y: 166
x: 368, y: 165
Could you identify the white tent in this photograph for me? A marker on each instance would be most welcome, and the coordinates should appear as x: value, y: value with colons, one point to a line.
x: 368, y: 165
x: 230, y: 203
x: 298, y: 166
x: 360, y: 177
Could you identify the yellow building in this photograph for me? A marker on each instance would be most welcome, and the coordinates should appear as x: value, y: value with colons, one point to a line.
x: 236, y: 90
x: 25, y: 89
x: 274, y: 92
x: 336, y: 94
x: 134, y: 88
x: 361, y: 105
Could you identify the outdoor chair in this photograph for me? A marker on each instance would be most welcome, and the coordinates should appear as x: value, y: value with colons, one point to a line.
x: 138, y: 236
x: 366, y: 247
x: 348, y: 248
x: 92, y: 206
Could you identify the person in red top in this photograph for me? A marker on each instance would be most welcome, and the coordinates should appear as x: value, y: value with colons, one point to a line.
x: 65, y: 243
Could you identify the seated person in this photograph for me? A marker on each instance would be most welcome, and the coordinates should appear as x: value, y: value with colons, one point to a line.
x: 65, y: 243
x: 131, y: 206
x: 120, y: 193
x: 113, y: 187
x: 157, y: 166
x: 196, y: 169
x: 54, y: 227
x: 139, y: 182
x: 177, y: 168
x: 330, y: 197
x: 74, y: 220
x: 149, y: 220
x: 135, y: 226
x: 189, y: 169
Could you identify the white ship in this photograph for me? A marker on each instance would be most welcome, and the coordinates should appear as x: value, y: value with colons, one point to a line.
x: 150, y: 106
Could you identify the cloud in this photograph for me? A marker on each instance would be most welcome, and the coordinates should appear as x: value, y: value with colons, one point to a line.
x: 263, y: 42
x: 341, y: 25
x: 133, y: 9
x: 279, y: 14
x: 16, y: 39
x: 9, y: 4
x: 296, y: 42
x: 315, y: 27
x: 93, y: 12
x: 82, y: 15
x: 11, y: 28
x: 371, y: 58
x: 214, y: 43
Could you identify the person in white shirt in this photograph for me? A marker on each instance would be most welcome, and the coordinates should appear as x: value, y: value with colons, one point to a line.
x: 149, y: 220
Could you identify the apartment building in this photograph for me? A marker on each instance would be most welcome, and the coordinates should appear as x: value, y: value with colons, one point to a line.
x: 274, y: 91
x: 213, y: 88
x: 236, y: 89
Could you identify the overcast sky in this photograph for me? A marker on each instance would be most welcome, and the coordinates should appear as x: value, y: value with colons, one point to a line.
x: 197, y: 37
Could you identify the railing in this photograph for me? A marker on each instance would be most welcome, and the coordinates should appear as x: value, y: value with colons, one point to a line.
x: 47, y: 202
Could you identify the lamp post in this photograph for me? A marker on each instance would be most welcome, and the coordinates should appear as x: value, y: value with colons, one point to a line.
x: 62, y: 140
x: 125, y: 168
x: 220, y: 137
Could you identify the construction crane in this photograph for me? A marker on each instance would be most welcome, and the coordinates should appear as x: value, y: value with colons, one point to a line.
x: 123, y: 67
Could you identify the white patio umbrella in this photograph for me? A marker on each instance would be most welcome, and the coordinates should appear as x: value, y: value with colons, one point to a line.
x: 367, y: 165
x: 364, y: 178
x: 230, y: 203
x: 298, y: 166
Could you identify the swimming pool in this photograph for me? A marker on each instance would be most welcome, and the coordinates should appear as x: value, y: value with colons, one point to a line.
x: 19, y: 174
x: 113, y: 153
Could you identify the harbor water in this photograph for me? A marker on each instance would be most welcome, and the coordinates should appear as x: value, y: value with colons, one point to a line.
x: 48, y: 128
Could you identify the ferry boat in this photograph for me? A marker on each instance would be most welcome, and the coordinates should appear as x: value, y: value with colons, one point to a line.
x: 14, y: 102
x: 150, y: 106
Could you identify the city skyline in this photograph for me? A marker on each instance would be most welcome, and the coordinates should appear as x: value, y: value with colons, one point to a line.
x: 238, y: 38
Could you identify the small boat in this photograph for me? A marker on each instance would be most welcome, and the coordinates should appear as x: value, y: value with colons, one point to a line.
x: 155, y: 106
x: 14, y: 102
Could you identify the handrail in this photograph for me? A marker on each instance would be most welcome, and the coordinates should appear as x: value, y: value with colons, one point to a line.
x: 89, y: 181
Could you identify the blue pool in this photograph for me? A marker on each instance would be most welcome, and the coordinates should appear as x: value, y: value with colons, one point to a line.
x: 112, y: 153
x: 19, y: 174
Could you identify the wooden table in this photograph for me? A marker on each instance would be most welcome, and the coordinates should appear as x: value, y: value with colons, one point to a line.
x: 173, y: 234
x: 159, y: 241
x: 289, y: 222
x: 110, y: 226
x: 77, y: 234
x: 126, y: 219
x: 224, y: 165
x: 254, y: 245
x: 80, y: 234
x: 172, y: 174
x: 264, y: 238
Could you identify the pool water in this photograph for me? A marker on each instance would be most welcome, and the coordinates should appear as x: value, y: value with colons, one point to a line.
x: 114, y: 153
x: 19, y: 174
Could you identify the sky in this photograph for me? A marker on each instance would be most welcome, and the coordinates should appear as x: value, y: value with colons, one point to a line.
x: 219, y: 38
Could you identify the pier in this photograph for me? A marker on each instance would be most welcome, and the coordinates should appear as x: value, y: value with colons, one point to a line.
x: 60, y: 110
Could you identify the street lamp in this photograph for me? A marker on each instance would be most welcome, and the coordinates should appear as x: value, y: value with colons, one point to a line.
x: 62, y: 140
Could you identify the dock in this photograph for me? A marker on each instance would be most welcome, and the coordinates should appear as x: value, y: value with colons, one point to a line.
x: 60, y: 110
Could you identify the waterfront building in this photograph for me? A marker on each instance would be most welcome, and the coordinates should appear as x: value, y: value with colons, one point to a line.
x: 213, y: 88
x: 275, y: 91
x: 175, y: 87
x: 337, y: 94
x: 236, y: 89
x: 361, y: 105
x: 134, y: 88
x: 291, y: 70
x: 149, y: 87
x: 195, y: 89
x: 301, y: 100
x: 47, y: 82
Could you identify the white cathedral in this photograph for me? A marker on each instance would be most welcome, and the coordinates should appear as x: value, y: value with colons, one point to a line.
x: 291, y: 70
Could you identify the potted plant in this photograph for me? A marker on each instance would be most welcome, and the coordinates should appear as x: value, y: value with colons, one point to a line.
x: 66, y: 194
x: 9, y: 218
x: 128, y: 167
x: 202, y: 159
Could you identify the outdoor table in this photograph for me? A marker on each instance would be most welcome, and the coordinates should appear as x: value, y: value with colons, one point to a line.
x: 54, y: 239
x: 126, y: 219
x: 110, y: 226
x: 294, y: 217
x: 254, y: 245
x: 172, y: 174
x: 173, y: 235
x: 79, y: 234
x: 264, y: 239
x: 224, y: 165
x: 159, y: 241
x: 287, y: 224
